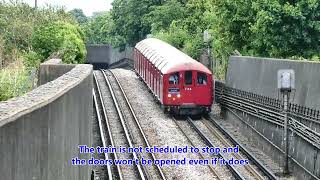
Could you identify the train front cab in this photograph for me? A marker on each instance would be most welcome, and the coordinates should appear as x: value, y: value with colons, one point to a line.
x: 188, y: 92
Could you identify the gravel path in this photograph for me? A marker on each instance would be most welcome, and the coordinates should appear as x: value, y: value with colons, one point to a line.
x: 160, y: 129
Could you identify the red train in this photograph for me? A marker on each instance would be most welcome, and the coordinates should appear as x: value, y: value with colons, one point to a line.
x: 181, y: 84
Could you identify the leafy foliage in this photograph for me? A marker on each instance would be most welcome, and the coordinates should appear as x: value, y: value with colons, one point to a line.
x: 22, y: 43
x: 100, y: 30
x: 130, y: 20
x: 17, y: 23
x: 268, y: 28
x: 15, y: 81
x: 80, y: 17
x: 61, y: 37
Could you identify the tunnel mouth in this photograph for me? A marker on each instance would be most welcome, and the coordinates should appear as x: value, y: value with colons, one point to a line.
x: 97, y: 66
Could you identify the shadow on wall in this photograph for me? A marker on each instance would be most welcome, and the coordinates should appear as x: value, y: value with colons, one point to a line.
x: 101, y: 56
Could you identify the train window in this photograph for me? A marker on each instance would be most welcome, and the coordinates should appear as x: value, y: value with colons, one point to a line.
x: 202, y: 78
x: 174, y: 78
x: 188, y: 78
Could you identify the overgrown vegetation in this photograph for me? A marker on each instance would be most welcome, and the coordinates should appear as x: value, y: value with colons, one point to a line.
x: 28, y: 37
x: 267, y: 28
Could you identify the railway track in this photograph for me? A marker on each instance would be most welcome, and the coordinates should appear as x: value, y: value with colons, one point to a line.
x: 255, y: 170
x: 116, y: 130
x: 104, y: 127
x: 218, y: 172
x: 136, y: 131
x: 234, y: 171
x: 224, y: 135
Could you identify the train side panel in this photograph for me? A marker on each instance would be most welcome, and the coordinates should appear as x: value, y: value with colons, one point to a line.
x: 151, y: 76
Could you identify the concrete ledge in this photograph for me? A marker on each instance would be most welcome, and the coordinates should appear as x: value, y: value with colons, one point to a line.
x: 52, y: 69
x: 43, y: 95
x: 40, y: 131
x: 53, y: 61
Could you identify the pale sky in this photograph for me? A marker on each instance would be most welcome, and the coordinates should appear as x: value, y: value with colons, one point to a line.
x: 88, y: 6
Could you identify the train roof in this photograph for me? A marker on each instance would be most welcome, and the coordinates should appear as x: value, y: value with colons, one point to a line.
x: 167, y: 58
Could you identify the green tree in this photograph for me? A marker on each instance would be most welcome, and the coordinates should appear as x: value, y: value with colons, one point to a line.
x: 60, y: 37
x: 161, y: 16
x: 100, y: 30
x: 287, y: 28
x: 130, y: 20
x: 79, y: 16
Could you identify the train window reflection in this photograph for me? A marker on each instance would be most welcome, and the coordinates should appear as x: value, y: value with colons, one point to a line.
x: 202, y: 78
x: 174, y: 78
x: 188, y: 78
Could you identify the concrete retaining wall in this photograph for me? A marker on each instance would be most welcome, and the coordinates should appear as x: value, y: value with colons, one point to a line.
x: 98, y: 54
x: 259, y: 75
x: 52, y: 69
x: 117, y: 55
x: 104, y: 55
x: 40, y: 132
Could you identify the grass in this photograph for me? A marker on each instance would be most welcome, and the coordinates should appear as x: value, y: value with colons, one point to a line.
x: 15, y: 81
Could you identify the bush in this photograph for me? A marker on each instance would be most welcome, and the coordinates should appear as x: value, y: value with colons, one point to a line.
x: 64, y: 38
x: 15, y: 81
x: 32, y: 59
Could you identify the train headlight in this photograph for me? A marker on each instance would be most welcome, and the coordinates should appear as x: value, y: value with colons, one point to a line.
x: 178, y: 95
x: 169, y: 95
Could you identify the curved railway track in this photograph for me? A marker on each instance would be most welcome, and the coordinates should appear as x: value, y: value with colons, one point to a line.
x: 269, y: 174
x: 234, y: 171
x: 105, y: 129
x: 216, y: 174
x: 154, y: 171
x: 116, y: 130
x: 256, y: 170
x: 115, y: 114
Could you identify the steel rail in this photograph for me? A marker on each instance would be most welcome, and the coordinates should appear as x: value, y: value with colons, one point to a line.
x: 202, y: 156
x: 244, y: 150
x: 276, y: 116
x: 302, y: 117
x: 234, y: 171
x: 274, y: 145
x: 108, y: 125
x: 115, y: 101
x: 295, y: 126
x: 144, y: 137
x: 103, y: 139
x: 270, y: 105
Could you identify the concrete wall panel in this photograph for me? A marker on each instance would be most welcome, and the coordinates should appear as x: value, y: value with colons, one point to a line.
x: 40, y: 132
x: 98, y: 54
x: 105, y: 54
x: 259, y: 75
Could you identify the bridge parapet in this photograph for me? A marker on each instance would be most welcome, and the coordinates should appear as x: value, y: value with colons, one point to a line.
x: 40, y: 131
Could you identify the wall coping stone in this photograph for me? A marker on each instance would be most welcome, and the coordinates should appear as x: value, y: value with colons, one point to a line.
x: 43, y: 95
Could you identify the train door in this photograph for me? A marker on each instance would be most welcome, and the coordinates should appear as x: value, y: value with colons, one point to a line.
x: 159, y: 80
x: 144, y: 68
x: 188, y: 86
x: 140, y: 62
x: 161, y: 88
x: 153, y: 76
x: 202, y: 89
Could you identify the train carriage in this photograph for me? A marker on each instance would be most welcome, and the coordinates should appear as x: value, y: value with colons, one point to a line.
x: 181, y: 84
